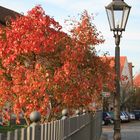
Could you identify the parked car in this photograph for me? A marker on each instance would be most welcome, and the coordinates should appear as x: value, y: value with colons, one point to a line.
x: 127, y: 114
x: 106, y: 118
x: 132, y: 116
x: 137, y: 114
x: 124, y: 117
x: 111, y: 113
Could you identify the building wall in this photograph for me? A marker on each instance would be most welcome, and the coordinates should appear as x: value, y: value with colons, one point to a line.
x: 126, y: 81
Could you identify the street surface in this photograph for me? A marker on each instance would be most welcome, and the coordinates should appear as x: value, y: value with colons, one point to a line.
x: 129, y: 131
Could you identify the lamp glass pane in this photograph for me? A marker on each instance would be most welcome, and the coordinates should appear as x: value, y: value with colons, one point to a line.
x: 110, y: 18
x: 118, y: 14
x: 125, y: 17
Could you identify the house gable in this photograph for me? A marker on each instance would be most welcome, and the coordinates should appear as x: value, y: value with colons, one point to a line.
x: 125, y: 71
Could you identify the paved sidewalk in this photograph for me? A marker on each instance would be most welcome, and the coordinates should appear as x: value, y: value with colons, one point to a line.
x: 129, y: 131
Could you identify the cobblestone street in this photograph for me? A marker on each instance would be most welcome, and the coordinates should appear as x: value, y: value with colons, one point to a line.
x: 129, y: 131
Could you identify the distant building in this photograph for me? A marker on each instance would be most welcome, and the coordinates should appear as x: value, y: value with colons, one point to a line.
x: 126, y: 71
x: 126, y: 80
x: 6, y: 14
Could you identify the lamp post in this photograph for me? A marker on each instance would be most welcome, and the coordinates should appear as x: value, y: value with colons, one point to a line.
x: 117, y: 13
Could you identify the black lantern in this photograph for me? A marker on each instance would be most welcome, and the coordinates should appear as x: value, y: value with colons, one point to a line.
x: 117, y: 13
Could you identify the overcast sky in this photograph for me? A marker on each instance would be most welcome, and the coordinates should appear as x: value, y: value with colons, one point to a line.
x: 61, y: 9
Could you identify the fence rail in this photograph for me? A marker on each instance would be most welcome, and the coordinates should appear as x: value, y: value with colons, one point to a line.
x: 83, y: 127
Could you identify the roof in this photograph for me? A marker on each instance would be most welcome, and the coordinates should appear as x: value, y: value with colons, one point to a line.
x: 122, y: 61
x: 137, y: 80
x: 5, y: 14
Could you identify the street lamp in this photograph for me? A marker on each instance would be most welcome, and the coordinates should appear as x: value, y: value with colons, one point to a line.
x: 117, y: 13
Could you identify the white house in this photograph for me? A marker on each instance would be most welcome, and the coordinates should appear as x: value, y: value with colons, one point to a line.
x: 126, y: 81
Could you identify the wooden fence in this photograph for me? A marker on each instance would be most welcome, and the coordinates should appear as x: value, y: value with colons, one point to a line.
x: 83, y: 127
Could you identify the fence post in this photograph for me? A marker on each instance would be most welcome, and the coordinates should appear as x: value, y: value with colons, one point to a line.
x: 77, y: 112
x: 36, y: 127
x: 64, y: 114
x: 84, y: 111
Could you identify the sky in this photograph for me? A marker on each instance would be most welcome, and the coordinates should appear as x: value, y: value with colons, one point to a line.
x: 62, y: 9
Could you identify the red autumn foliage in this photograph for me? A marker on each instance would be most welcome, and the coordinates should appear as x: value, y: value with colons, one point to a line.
x: 45, y: 69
